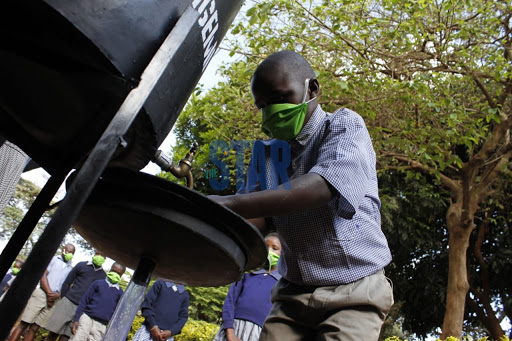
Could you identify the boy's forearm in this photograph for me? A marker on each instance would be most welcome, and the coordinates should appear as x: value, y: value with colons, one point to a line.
x: 307, y: 192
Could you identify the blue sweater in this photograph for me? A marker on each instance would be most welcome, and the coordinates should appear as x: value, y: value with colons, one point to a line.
x: 100, y: 301
x: 6, y: 279
x: 80, y: 279
x: 249, y: 298
x: 166, y: 306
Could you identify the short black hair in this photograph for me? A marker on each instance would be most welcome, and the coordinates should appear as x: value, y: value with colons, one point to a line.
x: 272, y: 234
x: 289, y: 62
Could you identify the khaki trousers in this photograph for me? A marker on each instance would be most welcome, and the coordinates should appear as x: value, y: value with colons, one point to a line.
x: 349, y: 312
x: 89, y: 330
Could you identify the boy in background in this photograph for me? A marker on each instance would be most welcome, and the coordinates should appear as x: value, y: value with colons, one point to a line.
x: 97, y: 306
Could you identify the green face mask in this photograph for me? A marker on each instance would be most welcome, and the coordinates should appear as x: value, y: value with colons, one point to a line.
x: 284, y: 121
x: 68, y: 256
x: 14, y: 270
x: 272, y: 259
x: 114, y: 277
x: 98, y: 260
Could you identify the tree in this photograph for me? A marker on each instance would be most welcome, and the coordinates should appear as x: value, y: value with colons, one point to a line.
x: 25, y: 194
x: 432, y: 79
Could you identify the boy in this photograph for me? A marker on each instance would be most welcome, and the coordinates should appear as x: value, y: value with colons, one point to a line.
x: 73, y: 289
x: 97, y: 306
x: 333, y: 285
x: 165, y: 311
x: 10, y: 275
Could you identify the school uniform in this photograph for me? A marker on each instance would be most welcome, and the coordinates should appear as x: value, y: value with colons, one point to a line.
x: 166, y: 306
x: 95, y: 310
x: 247, y: 305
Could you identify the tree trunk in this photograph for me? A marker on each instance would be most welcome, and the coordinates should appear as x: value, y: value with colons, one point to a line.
x: 458, y: 285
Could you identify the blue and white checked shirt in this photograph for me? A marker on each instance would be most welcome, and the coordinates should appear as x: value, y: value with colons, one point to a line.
x: 342, y: 241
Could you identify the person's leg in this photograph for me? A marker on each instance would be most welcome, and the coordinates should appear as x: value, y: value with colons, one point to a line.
x: 61, y: 320
x: 18, y: 330
x: 52, y: 337
x: 31, y: 333
x: 359, y: 309
x: 288, y: 319
x: 84, y: 328
x: 97, y: 331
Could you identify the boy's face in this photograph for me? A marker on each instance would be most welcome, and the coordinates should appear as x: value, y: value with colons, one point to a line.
x: 273, y: 244
x: 273, y: 87
x: 117, y: 268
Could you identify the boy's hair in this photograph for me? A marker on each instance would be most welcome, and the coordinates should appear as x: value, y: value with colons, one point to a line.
x: 19, y: 262
x: 117, y: 264
x: 272, y: 234
x: 292, y: 63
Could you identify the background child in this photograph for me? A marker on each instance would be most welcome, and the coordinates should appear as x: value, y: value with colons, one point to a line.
x: 97, y: 306
x: 165, y: 311
x: 248, y: 301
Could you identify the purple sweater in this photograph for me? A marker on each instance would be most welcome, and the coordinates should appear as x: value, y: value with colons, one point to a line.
x: 99, y: 302
x: 249, y: 298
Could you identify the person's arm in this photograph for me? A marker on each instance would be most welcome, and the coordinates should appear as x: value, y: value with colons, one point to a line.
x: 182, y: 316
x: 228, y: 310
x: 149, y: 304
x: 50, y: 295
x: 308, y: 191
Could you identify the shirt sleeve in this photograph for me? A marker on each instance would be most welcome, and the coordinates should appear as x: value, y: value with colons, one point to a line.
x: 86, y: 299
x: 228, y: 310
x: 69, y: 280
x: 182, y: 315
x: 149, y: 304
x: 345, y: 160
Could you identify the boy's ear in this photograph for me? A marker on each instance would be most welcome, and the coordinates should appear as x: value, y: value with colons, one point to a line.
x: 314, y: 87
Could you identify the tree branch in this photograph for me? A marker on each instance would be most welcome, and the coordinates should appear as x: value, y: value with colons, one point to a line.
x: 416, y: 165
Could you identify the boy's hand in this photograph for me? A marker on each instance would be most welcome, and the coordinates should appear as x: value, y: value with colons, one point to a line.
x: 52, y: 296
x: 156, y: 334
x: 230, y: 335
x: 166, y: 334
x: 74, y: 328
x: 49, y: 303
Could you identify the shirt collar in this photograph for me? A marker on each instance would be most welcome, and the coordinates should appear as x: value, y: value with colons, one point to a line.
x: 179, y: 287
x: 311, y: 126
x: 110, y: 284
x: 94, y: 266
x: 274, y: 273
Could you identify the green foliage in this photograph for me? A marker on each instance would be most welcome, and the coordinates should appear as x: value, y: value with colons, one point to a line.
x: 197, y: 331
x: 206, y: 303
x: 192, y: 331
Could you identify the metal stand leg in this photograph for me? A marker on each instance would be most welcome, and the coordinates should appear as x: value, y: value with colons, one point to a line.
x: 16, y: 298
x: 26, y: 226
x: 130, y: 302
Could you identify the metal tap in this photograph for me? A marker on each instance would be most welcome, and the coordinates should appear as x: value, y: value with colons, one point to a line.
x: 182, y: 170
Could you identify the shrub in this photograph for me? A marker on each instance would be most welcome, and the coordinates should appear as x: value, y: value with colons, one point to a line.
x: 192, y: 331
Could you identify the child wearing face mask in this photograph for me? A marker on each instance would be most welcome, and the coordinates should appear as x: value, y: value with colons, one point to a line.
x: 10, y: 276
x: 248, y: 301
x: 97, y: 306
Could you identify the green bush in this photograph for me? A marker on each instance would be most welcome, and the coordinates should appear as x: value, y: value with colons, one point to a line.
x: 192, y: 331
x: 197, y: 331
